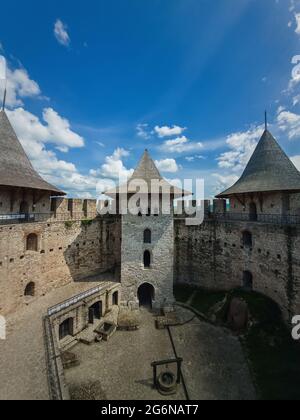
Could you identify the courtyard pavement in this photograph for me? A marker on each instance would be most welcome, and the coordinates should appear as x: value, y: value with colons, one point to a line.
x: 214, y: 366
x: 22, y: 355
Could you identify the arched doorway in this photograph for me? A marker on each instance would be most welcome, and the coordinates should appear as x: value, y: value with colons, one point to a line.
x: 66, y: 328
x: 95, y: 312
x: 29, y: 289
x: 147, y: 259
x: 115, y: 298
x: 253, y: 212
x: 146, y: 295
x: 247, y: 281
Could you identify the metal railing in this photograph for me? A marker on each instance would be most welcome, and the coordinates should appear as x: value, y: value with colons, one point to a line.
x: 17, y: 218
x: 277, y: 219
x: 72, y: 301
x: 54, y: 380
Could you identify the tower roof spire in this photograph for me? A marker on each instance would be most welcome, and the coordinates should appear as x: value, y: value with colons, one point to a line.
x: 146, y: 171
x: 266, y: 120
x: 16, y: 169
x: 269, y: 169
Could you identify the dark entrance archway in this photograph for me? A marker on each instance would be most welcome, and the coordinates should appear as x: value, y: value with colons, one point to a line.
x: 146, y: 295
x: 247, y: 281
x: 66, y: 328
x: 253, y: 212
x: 95, y: 312
x: 115, y: 298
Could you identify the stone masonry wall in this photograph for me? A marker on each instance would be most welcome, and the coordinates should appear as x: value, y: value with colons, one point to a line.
x: 213, y: 256
x: 66, y: 252
x: 161, y: 273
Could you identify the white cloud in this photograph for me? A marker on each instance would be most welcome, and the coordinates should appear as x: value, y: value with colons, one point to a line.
x: 100, y: 143
x: 193, y: 158
x: 61, y: 33
x: 19, y: 86
x: 242, y: 145
x: 33, y: 136
x: 56, y: 131
x: 167, y: 165
x: 114, y: 168
x: 181, y: 145
x: 142, y: 131
x: 223, y: 182
x: 295, y: 79
x: 297, y: 17
x: 296, y: 100
x: 289, y: 123
x: 166, y: 131
x: 296, y: 161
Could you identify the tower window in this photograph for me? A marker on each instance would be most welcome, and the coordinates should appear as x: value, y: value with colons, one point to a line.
x: 30, y: 289
x: 147, y: 259
x: 147, y: 236
x: 32, y: 242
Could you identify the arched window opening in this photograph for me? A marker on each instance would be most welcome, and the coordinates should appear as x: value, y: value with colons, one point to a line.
x: 66, y: 328
x: 32, y: 242
x: 147, y: 236
x: 253, y: 212
x: 247, y: 239
x: 29, y: 289
x: 247, y: 281
x: 115, y: 298
x: 147, y: 259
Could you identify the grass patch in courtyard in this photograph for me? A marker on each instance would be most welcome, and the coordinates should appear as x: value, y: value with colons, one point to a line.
x: 272, y: 353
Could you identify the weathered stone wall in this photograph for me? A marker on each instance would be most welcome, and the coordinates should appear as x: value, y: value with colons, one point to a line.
x: 161, y: 273
x: 213, y: 256
x: 66, y: 252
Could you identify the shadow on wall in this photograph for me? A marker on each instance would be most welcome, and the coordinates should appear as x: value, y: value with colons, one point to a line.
x: 94, y: 248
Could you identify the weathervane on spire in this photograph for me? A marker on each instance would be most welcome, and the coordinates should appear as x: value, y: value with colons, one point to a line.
x: 266, y: 120
x: 3, y: 79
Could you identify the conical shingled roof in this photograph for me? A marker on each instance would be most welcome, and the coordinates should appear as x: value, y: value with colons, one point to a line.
x: 146, y: 171
x: 15, y: 167
x: 269, y: 169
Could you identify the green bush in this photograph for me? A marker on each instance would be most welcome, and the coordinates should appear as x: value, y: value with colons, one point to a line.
x: 86, y: 222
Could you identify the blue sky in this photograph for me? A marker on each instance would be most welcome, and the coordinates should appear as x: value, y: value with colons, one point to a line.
x: 92, y: 84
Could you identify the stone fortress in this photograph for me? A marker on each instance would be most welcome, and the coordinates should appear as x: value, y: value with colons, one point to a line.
x: 48, y: 241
